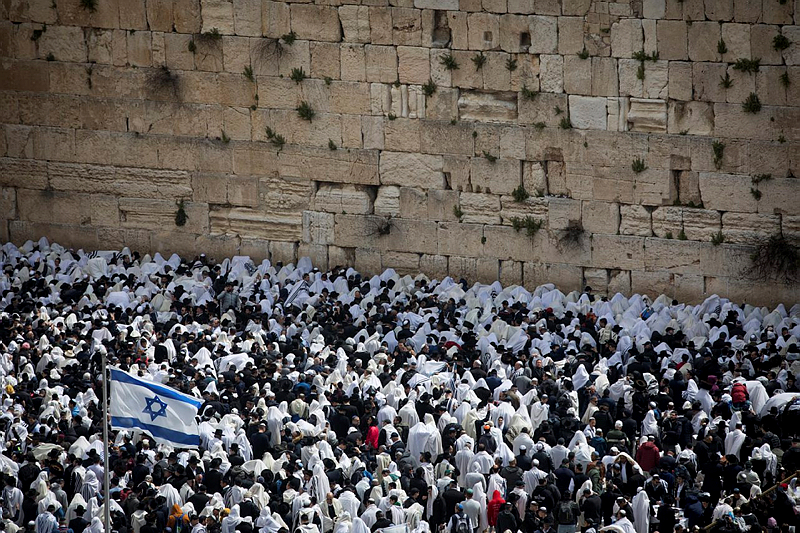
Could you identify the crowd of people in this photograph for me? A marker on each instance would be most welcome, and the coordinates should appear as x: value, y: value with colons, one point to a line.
x: 335, y: 402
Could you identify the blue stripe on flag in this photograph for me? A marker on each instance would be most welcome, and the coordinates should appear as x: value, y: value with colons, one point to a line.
x: 156, y: 431
x: 166, y: 392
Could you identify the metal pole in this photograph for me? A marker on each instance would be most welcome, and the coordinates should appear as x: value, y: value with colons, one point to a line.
x: 107, y: 514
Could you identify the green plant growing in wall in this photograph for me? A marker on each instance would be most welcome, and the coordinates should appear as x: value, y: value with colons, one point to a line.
x: 718, y: 238
x: 539, y: 125
x: 725, y: 81
x: 37, y: 33
x: 668, y: 235
x: 180, y: 215
x: 528, y: 94
x: 572, y: 234
x: 224, y: 137
x: 305, y: 111
x: 391, y: 116
x: 192, y: 47
x: 429, y: 88
x: 248, y: 73
x: 780, y: 42
x: 449, y: 62
x: 557, y: 110
x: 520, y: 194
x: 89, y: 5
x: 458, y: 213
x: 489, y: 157
x: 163, y: 82
x: 532, y: 225
x: 565, y: 123
x: 511, y: 64
x: 719, y: 150
x: 752, y: 104
x: 276, y: 139
x: 755, y: 193
x: 213, y: 34
x: 479, y: 60
x: 785, y: 81
x: 328, y: 80
x: 638, y: 165
x: 289, y: 38
x: 722, y: 48
x: 583, y: 54
x: 682, y: 235
x: 758, y: 178
x: 640, y: 72
x: 298, y: 75
x: 50, y: 57
x: 332, y: 145
x: 747, y: 65
x: 781, y: 139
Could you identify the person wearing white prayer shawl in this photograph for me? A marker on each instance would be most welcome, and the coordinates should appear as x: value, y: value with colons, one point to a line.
x: 623, y: 524
x: 540, y: 411
x: 734, y: 441
x: 331, y: 509
x: 641, y: 511
x: 369, y: 514
x: 483, y: 460
x: 96, y: 526
x: 12, y: 500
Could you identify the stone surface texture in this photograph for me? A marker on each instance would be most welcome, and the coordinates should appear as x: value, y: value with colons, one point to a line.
x: 110, y: 118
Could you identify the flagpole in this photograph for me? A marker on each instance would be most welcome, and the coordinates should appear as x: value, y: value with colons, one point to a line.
x: 107, y: 514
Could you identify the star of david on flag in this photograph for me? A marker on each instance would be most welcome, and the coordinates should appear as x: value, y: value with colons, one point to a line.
x: 163, y: 412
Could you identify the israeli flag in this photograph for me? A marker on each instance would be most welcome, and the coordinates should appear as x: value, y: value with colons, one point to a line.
x: 166, y: 414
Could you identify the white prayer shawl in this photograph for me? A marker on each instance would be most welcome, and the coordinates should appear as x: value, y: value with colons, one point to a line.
x: 624, y: 525
x: 350, y: 503
x: 650, y: 424
x: 539, y: 413
x: 641, y: 512
x: 733, y: 442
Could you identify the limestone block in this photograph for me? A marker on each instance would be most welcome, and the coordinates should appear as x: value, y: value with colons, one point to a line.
x: 562, y: 213
x: 487, y: 107
x: 444, y: 138
x: 176, y: 49
x: 317, y: 227
x: 744, y: 83
x: 413, y: 64
x: 672, y: 39
x: 619, y: 281
x: 436, y: 4
x: 652, y: 284
x: 534, y: 179
x: 737, y: 41
x: 769, y: 87
x: 618, y: 251
x: 433, y: 266
x: 746, y: 10
x: 499, y: 177
x: 186, y: 15
x: 147, y: 214
x: 779, y: 196
x: 533, y: 207
x: 694, y: 10
x: 66, y: 43
x: 381, y: 63
x: 693, y: 118
x: 681, y: 257
x: 680, y: 81
x: 511, y: 26
x: 441, y: 204
x: 635, y: 220
x: 353, y: 62
x: 484, y: 31
x: 647, y: 115
x: 792, y: 54
x: 604, y: 76
x: 510, y: 273
x: 132, y: 15
x: 458, y: 24
x: 456, y: 238
x: 551, y: 77
x: 667, y: 221
x: 402, y: 262
x: 480, y: 208
x: 466, y: 76
x: 570, y: 35
x: 719, y: 9
x: 413, y: 170
x: 654, y: 9
x: 597, y: 279
x: 406, y: 27
x: 655, y: 83
x: 368, y: 261
x: 565, y: 277
x: 275, y: 19
x: 318, y: 23
x: 727, y: 192
x: 626, y: 37
x: 235, y: 53
x: 463, y: 268
x: 600, y: 217
x: 777, y: 13
x: 749, y: 228
x: 700, y: 224
x: 351, y: 166
x: 504, y: 243
x: 247, y: 17
x: 355, y: 23
x: 706, y: 79
x: 587, y: 112
x: 387, y: 202
x: 413, y: 203
x: 380, y: 25
x: 512, y: 142
x: 730, y: 120
x: 217, y: 14
x: 336, y: 198
x: 544, y: 34
x: 575, y: 7
x: 790, y: 225
x: 159, y: 15
x: 366, y: 130
x: 703, y: 39
x: 324, y: 60
x: 761, y: 36
x: 496, y: 77
x: 21, y: 231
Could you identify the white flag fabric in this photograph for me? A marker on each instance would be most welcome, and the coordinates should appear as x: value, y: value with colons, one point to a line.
x: 166, y: 414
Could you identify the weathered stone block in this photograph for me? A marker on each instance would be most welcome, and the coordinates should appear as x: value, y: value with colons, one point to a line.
x: 703, y: 39
x: 355, y: 23
x: 626, y: 37
x: 353, y: 166
x: 586, y: 112
x: 635, y: 220
x: 600, y: 217
x: 672, y: 39
x: 737, y: 41
x: 706, y: 78
x: 700, y: 224
x: 480, y: 208
x: 484, y: 31
x: 551, y: 77
x: 727, y: 192
x: 570, y: 35
x: 218, y: 14
x: 498, y: 177
x: 414, y: 170
x: 387, y: 202
x: 319, y: 23
x: 563, y: 213
x: 318, y: 227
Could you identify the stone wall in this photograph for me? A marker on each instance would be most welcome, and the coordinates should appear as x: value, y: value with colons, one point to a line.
x: 623, y: 121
